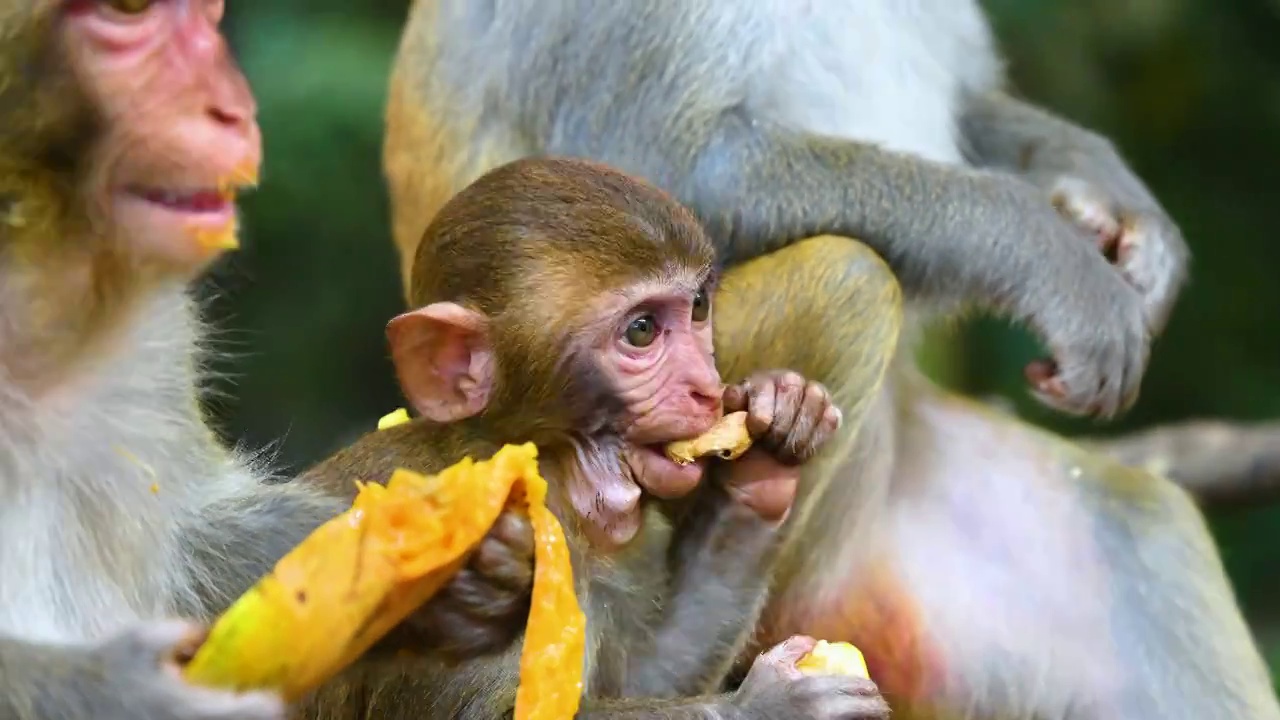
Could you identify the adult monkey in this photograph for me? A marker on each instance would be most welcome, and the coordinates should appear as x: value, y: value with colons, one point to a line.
x: 987, y: 568
x: 125, y: 128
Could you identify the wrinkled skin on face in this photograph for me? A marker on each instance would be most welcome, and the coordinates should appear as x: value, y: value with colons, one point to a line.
x: 176, y: 130
x: 125, y: 130
x: 661, y: 362
x: 649, y: 344
x: 654, y: 344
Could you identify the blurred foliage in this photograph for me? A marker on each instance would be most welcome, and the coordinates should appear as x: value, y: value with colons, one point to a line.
x: 1189, y: 89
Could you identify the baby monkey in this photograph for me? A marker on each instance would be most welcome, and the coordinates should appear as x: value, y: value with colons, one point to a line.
x: 567, y: 304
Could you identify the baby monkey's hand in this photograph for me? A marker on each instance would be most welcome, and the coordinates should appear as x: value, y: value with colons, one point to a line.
x: 789, y: 420
x: 484, y: 607
x: 788, y: 416
x: 776, y: 688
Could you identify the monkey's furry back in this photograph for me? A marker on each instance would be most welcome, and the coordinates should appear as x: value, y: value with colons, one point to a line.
x: 885, y: 72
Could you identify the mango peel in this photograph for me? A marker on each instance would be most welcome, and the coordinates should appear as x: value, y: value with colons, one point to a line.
x: 362, y: 573
x: 838, y: 658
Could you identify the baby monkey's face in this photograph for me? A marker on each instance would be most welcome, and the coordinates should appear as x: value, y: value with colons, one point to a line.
x: 656, y: 350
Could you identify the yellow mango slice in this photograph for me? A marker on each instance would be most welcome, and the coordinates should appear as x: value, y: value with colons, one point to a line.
x: 359, y: 575
x: 727, y: 440
x: 399, y: 416
x: 838, y: 658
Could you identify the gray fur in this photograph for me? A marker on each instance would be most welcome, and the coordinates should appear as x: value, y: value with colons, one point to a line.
x: 711, y: 592
x: 107, y: 481
x: 861, y: 104
x: 125, y: 677
x: 1057, y: 586
x: 1085, y: 173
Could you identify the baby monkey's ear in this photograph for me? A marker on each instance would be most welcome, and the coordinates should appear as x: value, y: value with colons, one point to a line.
x: 443, y: 359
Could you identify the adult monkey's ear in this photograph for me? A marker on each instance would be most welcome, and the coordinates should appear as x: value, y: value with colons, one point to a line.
x: 443, y: 360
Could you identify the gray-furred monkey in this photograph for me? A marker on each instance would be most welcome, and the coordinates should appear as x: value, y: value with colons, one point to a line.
x: 124, y: 129
x: 986, y: 568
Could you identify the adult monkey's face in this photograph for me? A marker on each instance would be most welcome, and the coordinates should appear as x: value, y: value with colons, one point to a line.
x: 133, y: 113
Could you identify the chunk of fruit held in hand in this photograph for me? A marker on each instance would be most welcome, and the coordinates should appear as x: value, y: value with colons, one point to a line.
x: 775, y: 421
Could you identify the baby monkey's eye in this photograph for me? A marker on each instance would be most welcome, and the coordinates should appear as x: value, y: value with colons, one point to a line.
x: 642, y: 331
x: 701, y: 306
x: 129, y: 7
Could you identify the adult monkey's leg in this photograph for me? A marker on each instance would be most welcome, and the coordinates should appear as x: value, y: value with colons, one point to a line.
x: 980, y: 562
x: 831, y: 309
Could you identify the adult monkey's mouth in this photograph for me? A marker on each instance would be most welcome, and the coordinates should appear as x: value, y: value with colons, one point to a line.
x: 206, y: 201
x: 187, y: 224
x: 205, y: 207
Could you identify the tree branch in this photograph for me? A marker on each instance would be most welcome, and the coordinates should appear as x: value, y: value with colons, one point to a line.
x: 1223, y: 464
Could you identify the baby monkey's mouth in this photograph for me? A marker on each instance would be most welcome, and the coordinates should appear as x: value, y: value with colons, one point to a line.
x: 649, y: 467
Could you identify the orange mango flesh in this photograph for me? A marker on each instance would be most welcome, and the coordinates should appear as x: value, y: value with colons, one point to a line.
x: 362, y: 573
x: 215, y: 241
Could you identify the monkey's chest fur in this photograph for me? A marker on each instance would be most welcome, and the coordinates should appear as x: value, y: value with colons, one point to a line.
x: 74, y: 571
x: 883, y: 72
x: 96, y: 479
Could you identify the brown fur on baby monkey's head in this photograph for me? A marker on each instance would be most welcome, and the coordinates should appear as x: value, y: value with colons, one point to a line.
x: 559, y: 296
x: 127, y: 129
x: 553, y: 224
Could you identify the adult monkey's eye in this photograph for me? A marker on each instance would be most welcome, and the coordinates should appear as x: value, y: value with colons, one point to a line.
x: 129, y: 7
x: 701, y: 306
x: 642, y: 331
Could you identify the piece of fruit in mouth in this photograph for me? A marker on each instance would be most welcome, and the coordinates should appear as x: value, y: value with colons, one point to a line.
x: 727, y: 440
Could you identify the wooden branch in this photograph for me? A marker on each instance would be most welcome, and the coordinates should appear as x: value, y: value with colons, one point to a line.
x: 1220, y: 463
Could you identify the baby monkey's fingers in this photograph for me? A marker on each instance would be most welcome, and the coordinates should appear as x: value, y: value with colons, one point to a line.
x: 817, y: 420
x: 505, y: 557
x: 775, y: 687
x: 787, y: 416
x: 837, y: 697
x: 760, y: 397
x: 484, y: 607
x: 772, y: 400
x: 779, y: 662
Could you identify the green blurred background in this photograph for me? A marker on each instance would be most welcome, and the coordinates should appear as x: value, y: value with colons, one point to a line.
x: 1189, y: 89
